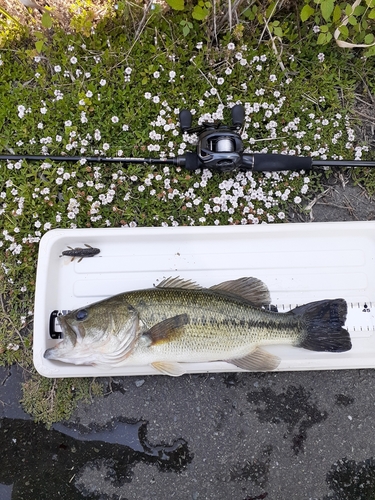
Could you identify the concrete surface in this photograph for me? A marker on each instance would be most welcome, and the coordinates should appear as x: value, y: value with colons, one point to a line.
x: 247, y: 436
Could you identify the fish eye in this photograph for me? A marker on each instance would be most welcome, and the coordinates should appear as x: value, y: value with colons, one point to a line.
x: 81, y: 314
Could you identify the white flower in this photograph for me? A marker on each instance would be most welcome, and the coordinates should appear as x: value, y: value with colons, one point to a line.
x: 73, y: 60
x: 156, y: 99
x: 231, y: 46
x: 147, y: 95
x: 128, y: 70
x: 220, y: 81
x: 156, y: 74
x: 105, y: 146
x: 321, y: 57
x: 114, y: 119
x: 68, y: 123
x: 103, y: 82
x: 89, y: 94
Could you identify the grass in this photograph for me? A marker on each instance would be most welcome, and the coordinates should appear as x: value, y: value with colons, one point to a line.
x: 118, y: 92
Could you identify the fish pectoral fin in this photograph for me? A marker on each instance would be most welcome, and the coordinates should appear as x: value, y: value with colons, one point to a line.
x: 257, y: 360
x: 172, y: 369
x: 250, y: 289
x: 168, y: 329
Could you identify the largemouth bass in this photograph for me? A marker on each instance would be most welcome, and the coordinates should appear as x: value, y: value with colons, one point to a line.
x: 178, y: 322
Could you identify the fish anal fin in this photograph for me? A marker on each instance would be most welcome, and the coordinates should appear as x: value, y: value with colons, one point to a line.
x: 257, y: 360
x: 168, y: 329
x: 250, y: 289
x: 178, y: 282
x: 171, y: 369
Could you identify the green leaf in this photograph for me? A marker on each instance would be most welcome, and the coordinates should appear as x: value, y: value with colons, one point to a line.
x: 186, y: 30
x: 39, y: 45
x: 324, y: 28
x: 359, y: 10
x: 46, y: 20
x: 348, y: 10
x: 371, y: 14
x: 306, y: 12
x: 344, y: 31
x: 369, y: 38
x: 324, y: 38
x: 327, y: 8
x: 352, y: 20
x: 370, y: 52
x: 278, y: 31
x: 270, y: 9
x: 176, y: 4
x: 199, y: 13
x: 336, y: 14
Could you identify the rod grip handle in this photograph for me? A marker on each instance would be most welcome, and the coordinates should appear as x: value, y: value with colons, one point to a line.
x: 277, y: 162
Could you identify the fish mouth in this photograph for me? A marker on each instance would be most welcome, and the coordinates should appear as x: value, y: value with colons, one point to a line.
x: 68, y: 342
x: 50, y: 353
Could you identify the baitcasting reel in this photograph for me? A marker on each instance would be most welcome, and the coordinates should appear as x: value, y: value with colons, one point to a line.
x: 219, y: 147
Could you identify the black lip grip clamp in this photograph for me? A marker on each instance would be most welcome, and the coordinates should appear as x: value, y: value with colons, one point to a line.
x: 55, y: 332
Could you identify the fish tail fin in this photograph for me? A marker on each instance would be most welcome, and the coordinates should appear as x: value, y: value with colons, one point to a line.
x: 323, y: 326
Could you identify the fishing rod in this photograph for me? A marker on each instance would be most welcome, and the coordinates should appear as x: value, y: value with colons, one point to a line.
x: 220, y: 148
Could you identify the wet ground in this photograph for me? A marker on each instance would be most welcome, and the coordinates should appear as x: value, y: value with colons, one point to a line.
x: 246, y: 436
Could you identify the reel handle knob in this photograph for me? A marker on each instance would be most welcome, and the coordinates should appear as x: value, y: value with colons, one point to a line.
x: 185, y: 119
x: 238, y: 115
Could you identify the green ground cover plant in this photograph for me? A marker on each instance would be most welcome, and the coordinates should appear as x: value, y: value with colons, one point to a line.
x: 115, y: 89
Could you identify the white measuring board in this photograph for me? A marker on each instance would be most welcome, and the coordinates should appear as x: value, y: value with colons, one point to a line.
x: 299, y: 263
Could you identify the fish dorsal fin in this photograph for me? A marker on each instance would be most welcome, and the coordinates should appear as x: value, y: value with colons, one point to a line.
x: 257, y: 360
x: 168, y: 329
x: 178, y: 283
x: 250, y: 289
